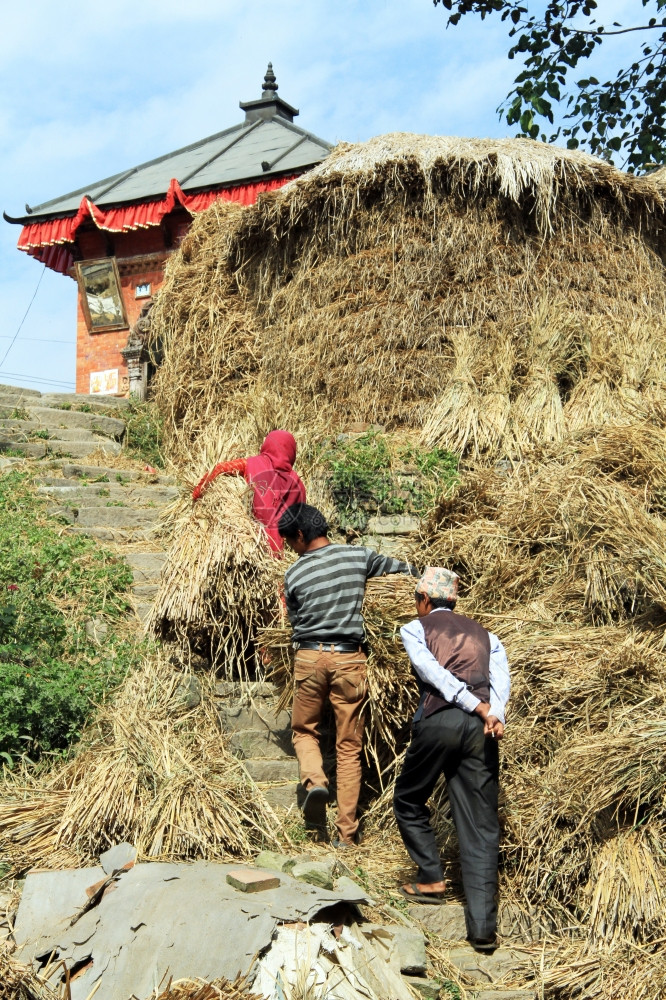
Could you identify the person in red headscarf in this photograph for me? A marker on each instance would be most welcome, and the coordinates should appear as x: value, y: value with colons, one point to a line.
x: 274, y: 482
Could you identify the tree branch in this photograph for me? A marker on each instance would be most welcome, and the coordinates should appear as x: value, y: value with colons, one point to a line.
x: 602, y: 33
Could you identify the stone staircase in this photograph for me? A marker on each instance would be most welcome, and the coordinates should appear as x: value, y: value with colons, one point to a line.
x: 261, y: 737
x: 119, y: 506
x: 38, y: 425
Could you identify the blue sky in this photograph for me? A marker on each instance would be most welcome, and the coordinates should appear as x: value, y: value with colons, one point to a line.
x: 89, y: 90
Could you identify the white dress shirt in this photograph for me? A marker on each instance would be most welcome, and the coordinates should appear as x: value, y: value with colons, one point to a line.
x: 449, y: 686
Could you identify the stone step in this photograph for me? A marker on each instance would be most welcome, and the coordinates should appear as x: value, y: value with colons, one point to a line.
x: 16, y: 390
x: 107, y: 426
x: 146, y: 566
x: 142, y: 610
x: 264, y: 770
x: 116, y: 517
x: 94, y: 493
x: 118, y: 535
x: 448, y: 922
x: 506, y: 995
x: 25, y: 428
x: 235, y: 690
x: 249, y: 743
x: 73, y: 449
x: 145, y: 591
x: 487, y: 969
x: 240, y: 717
x: 98, y: 473
x: 281, y: 796
x: 101, y: 497
x: 97, y: 403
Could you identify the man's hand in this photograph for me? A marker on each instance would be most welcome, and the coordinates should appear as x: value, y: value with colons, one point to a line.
x: 493, y: 728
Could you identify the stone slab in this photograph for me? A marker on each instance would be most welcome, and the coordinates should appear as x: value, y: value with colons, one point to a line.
x: 98, y: 494
x: 108, y: 426
x: 235, y: 690
x: 284, y: 769
x: 282, y: 796
x: 393, y: 524
x: 17, y: 390
x: 71, y: 470
x: 447, y: 921
x: 274, y: 862
x: 116, y: 517
x: 251, y: 743
x: 482, y: 968
x: 146, y: 566
x: 99, y: 403
x: 249, y: 880
x: 237, y: 717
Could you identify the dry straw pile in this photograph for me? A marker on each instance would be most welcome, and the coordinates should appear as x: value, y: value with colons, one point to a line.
x: 491, y: 294
x: 505, y: 300
x: 147, y: 771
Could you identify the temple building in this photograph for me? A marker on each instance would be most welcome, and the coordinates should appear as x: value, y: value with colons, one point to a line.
x: 114, y: 236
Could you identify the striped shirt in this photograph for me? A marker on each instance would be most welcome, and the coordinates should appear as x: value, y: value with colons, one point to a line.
x: 324, y: 591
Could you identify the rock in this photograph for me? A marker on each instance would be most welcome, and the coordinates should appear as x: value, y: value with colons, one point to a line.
x: 393, y: 524
x: 188, y: 692
x: 96, y: 630
x: 248, y: 880
x: 425, y: 987
x: 447, y: 921
x: 319, y: 873
x: 121, y: 856
x: 273, y: 861
x: 411, y: 948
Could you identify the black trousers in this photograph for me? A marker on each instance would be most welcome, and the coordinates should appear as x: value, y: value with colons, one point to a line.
x: 452, y: 743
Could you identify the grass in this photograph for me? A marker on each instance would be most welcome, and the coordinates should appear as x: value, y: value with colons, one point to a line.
x: 51, y: 671
x: 144, y: 433
x: 371, y: 474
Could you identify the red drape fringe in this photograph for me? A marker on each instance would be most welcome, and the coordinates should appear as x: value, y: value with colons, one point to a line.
x: 46, y: 241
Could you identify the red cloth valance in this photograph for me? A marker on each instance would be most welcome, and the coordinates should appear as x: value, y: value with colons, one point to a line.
x: 46, y: 241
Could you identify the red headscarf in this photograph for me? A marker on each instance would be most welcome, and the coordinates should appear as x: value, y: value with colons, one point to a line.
x: 276, y: 485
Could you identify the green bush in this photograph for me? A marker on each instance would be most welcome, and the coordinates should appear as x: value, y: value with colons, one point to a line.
x: 51, y: 585
x: 372, y: 475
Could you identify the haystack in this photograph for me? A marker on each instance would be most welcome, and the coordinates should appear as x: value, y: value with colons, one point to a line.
x: 357, y: 292
x: 147, y: 771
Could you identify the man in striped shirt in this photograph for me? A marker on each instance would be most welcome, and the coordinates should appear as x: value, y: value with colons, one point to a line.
x: 324, y: 593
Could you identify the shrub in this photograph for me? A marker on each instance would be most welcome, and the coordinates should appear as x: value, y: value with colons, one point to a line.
x: 51, y: 584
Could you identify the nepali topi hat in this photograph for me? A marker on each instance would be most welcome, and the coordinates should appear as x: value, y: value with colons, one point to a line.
x: 439, y: 582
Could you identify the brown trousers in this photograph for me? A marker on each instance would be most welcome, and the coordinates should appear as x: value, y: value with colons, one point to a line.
x: 340, y: 677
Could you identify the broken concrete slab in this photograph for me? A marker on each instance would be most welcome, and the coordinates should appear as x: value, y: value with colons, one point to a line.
x: 118, y: 857
x: 408, y: 944
x: 183, y: 920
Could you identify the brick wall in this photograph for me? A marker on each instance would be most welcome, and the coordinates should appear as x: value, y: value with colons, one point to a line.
x: 97, y: 352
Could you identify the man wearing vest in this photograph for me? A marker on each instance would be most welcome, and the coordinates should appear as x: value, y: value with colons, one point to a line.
x: 463, y: 678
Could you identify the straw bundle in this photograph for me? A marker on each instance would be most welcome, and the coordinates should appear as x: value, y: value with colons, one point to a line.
x: 349, y: 294
x: 19, y: 982
x: 220, y: 581
x: 198, y: 989
x: 147, y: 772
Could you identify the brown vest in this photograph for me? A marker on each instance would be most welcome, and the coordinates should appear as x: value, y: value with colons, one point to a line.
x: 461, y: 646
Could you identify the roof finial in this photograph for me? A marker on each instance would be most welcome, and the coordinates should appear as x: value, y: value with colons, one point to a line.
x: 270, y: 82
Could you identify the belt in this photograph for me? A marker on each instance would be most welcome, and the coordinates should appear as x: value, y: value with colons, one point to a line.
x: 335, y: 647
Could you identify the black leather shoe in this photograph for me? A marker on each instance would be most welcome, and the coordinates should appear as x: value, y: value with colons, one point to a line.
x: 314, y: 807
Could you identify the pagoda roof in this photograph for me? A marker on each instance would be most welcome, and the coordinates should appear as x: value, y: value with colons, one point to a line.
x: 266, y: 145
